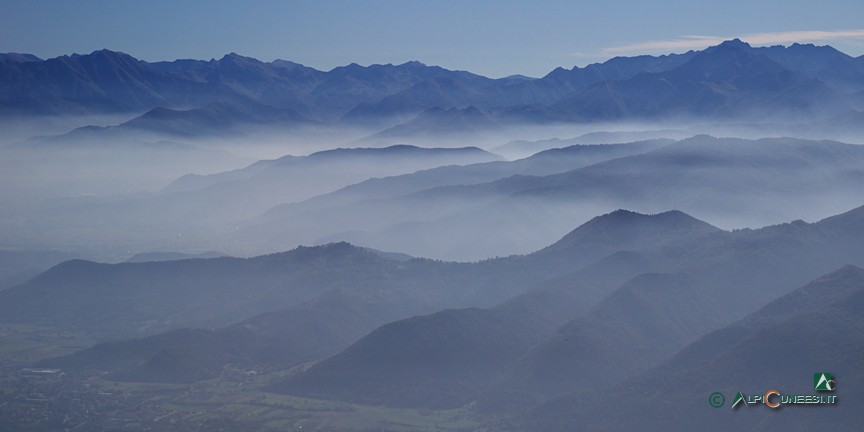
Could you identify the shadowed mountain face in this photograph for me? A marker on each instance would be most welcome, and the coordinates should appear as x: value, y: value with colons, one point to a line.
x: 450, y: 358
x: 435, y: 361
x: 816, y: 328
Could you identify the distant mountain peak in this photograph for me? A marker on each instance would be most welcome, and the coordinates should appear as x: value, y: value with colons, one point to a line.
x: 109, y: 53
x: 628, y: 229
x: 736, y: 43
x: 233, y: 57
x: 413, y: 63
x: 622, y: 215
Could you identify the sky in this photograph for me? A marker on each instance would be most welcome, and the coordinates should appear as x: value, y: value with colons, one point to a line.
x: 492, y: 38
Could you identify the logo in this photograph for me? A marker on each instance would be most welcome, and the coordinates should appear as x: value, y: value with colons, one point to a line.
x: 716, y: 399
x: 775, y: 399
x: 823, y: 381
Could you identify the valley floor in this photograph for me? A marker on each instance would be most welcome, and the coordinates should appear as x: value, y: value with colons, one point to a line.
x: 36, y: 400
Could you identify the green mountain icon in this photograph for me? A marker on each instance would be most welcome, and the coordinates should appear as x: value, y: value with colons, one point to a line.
x: 823, y: 381
x: 739, y: 397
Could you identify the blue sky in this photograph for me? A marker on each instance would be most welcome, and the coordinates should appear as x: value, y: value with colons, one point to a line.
x: 493, y: 38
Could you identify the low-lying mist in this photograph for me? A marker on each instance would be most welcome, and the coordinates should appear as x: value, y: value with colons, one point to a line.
x: 118, y: 191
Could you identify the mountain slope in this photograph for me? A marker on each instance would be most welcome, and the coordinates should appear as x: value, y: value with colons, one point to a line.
x: 815, y: 328
x: 449, y: 358
x: 719, y: 279
x: 443, y: 367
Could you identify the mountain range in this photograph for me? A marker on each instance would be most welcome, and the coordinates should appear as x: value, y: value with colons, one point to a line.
x: 702, y: 175
x: 687, y: 279
x: 730, y: 81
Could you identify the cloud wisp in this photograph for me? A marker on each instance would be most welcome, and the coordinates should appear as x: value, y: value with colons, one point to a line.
x: 696, y: 42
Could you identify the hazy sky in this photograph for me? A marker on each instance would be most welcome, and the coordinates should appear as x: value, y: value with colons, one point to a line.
x: 494, y: 38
